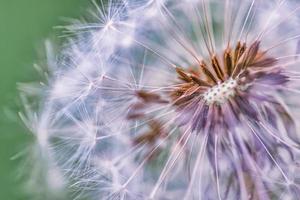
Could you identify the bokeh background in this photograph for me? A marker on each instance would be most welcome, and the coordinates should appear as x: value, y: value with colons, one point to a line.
x: 24, y: 26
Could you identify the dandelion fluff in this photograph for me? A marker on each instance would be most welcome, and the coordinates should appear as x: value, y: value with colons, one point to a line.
x: 169, y: 99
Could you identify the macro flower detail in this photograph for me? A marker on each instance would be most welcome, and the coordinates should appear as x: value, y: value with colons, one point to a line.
x: 170, y: 99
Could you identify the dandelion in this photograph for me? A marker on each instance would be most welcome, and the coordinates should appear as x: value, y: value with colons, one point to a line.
x: 169, y: 99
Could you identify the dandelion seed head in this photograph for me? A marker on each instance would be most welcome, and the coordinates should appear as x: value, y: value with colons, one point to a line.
x: 175, y: 100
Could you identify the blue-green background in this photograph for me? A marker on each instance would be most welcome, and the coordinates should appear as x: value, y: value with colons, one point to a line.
x: 24, y: 25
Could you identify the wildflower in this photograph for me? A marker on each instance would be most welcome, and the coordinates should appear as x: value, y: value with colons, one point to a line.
x: 193, y: 99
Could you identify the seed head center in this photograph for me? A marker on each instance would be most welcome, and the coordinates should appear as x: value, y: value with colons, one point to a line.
x: 221, y: 92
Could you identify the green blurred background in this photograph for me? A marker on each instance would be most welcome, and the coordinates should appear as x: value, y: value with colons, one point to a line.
x: 24, y: 25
